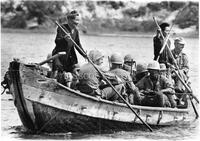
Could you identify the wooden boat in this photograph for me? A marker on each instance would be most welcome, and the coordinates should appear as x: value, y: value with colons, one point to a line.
x: 44, y: 106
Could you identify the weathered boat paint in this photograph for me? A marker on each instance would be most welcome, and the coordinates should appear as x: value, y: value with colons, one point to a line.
x: 44, y: 106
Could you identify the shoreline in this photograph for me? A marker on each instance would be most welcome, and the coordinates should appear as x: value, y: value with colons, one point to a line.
x: 98, y: 33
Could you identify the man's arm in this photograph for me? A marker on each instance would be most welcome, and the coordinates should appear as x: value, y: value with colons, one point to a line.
x: 185, y: 65
x: 157, y: 46
x: 167, y: 86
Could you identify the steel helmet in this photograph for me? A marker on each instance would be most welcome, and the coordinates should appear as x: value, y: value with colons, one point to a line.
x: 180, y: 40
x: 154, y: 65
x: 128, y: 58
x: 141, y: 67
x: 95, y: 55
x: 116, y: 59
x: 163, y: 67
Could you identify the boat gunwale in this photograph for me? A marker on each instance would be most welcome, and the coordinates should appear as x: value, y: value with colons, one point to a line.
x: 103, y: 100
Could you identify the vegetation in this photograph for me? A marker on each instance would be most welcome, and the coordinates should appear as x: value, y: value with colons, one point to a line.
x: 99, y: 15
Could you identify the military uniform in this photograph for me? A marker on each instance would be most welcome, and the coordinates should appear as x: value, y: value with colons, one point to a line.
x: 127, y: 80
x: 162, y: 83
x: 90, y: 80
x: 182, y: 63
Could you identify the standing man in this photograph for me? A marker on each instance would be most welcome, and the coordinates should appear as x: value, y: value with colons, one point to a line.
x: 64, y: 44
x: 182, y: 63
x: 158, y: 42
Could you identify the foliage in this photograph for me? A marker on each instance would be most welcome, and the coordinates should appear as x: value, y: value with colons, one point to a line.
x: 188, y: 16
x: 90, y: 6
x: 7, y: 6
x: 153, y: 6
x: 17, y: 15
x: 39, y: 9
x: 112, y: 4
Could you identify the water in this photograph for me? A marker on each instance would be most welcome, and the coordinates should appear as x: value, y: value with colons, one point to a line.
x: 34, y: 47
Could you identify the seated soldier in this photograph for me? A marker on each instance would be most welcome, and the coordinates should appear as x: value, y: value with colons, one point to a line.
x: 130, y: 66
x: 141, y: 71
x: 132, y: 91
x: 90, y: 79
x: 164, y: 72
x: 182, y: 63
x: 154, y: 87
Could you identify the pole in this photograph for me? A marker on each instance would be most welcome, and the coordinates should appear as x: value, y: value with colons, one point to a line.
x: 51, y: 58
x: 89, y: 60
x: 109, y: 62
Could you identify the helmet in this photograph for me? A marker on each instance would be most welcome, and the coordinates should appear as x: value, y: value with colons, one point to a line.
x: 163, y: 67
x: 180, y: 40
x: 154, y: 65
x: 141, y: 67
x: 116, y: 59
x: 95, y: 55
x: 128, y: 58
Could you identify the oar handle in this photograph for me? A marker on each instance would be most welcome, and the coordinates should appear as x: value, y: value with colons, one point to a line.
x: 51, y: 58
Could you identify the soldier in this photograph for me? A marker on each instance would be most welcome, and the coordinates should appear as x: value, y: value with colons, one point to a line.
x: 154, y: 87
x: 132, y: 91
x: 90, y: 79
x: 141, y: 71
x: 130, y: 66
x: 166, y: 73
x: 182, y: 62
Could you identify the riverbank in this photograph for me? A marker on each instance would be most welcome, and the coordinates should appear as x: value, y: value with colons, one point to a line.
x: 189, y: 34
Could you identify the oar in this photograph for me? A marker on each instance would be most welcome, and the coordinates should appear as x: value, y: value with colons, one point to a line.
x: 109, y: 62
x: 52, y: 58
x: 108, y: 82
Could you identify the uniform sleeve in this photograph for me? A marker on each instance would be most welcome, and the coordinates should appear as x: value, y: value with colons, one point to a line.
x: 167, y: 84
x: 59, y: 36
x: 157, y: 46
x: 130, y: 83
x: 140, y: 84
x: 185, y: 66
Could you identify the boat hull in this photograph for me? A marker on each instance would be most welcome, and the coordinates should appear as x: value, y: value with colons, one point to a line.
x: 44, y: 106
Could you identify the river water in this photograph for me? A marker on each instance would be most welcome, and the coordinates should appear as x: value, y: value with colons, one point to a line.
x: 34, y: 47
